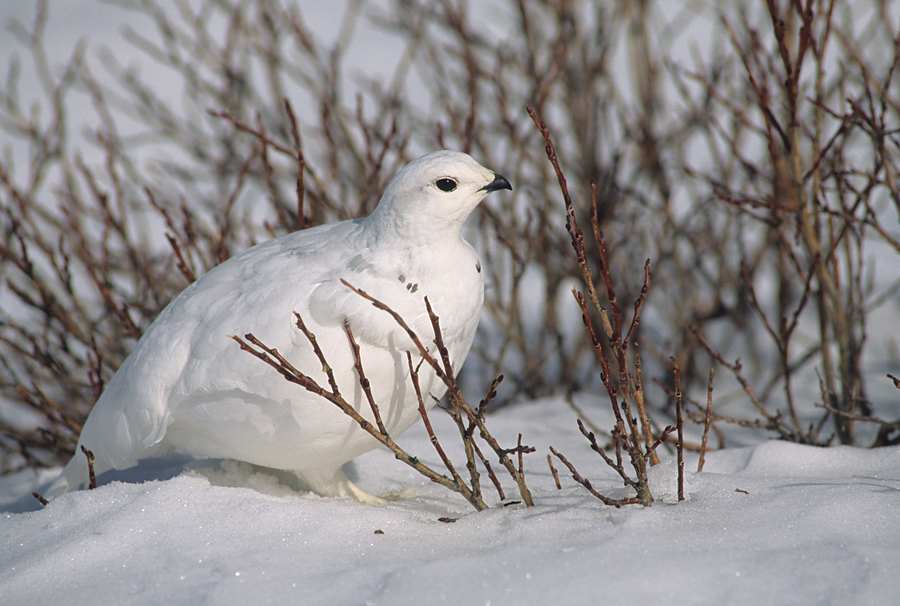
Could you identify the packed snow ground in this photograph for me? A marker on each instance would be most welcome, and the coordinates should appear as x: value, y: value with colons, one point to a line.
x: 776, y: 523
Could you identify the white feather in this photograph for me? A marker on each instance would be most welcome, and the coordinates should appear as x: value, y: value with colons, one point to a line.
x: 188, y: 387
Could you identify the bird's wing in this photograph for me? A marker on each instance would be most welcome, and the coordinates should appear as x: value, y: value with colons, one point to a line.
x: 187, y: 349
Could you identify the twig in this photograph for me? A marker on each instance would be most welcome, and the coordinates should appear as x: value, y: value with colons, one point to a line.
x: 180, y: 261
x: 895, y: 380
x: 773, y: 421
x: 490, y: 470
x: 329, y: 372
x: 572, y: 223
x: 414, y: 377
x: 90, y: 461
x: 628, y: 437
x: 429, y: 359
x: 639, y: 302
x: 885, y: 427
x: 250, y: 130
x: 554, y: 472
x: 618, y: 439
x: 587, y: 484
x: 363, y: 380
x: 120, y: 311
x: 636, y: 385
x: 491, y: 394
x: 706, y: 422
x: 303, y: 222
x: 274, y: 359
x: 521, y: 453
x: 95, y: 369
x: 663, y: 436
x: 444, y: 371
x: 679, y: 448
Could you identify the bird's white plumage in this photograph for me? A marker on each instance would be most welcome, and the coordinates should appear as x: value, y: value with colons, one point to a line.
x: 188, y: 387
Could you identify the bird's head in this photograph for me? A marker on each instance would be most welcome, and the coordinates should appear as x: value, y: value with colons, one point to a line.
x: 435, y: 193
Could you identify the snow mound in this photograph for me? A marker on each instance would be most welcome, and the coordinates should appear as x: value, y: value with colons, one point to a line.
x: 773, y: 524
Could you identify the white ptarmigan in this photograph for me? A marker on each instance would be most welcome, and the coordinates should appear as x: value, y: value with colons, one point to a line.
x: 188, y: 387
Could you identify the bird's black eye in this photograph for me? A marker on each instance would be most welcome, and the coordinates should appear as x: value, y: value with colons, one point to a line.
x: 446, y: 184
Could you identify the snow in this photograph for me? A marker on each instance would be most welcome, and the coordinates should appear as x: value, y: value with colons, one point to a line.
x: 772, y: 523
x: 775, y: 523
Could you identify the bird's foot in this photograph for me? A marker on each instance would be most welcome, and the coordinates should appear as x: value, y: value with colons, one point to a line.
x: 336, y: 484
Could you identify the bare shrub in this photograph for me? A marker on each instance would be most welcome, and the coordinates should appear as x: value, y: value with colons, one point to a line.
x: 759, y: 175
x: 85, y: 266
x: 813, y: 196
x: 620, y: 369
x: 466, y: 418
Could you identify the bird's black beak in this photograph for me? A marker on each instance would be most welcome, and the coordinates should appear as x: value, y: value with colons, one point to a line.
x: 499, y: 182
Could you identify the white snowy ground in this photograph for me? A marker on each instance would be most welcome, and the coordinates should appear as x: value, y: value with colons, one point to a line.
x: 771, y: 524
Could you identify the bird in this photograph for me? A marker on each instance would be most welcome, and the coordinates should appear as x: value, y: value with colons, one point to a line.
x: 188, y: 388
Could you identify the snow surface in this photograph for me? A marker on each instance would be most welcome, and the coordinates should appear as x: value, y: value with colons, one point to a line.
x: 776, y: 523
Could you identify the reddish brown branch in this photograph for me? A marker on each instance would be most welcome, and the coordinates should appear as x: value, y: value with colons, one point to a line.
x: 363, y: 380
x: 706, y: 422
x: 587, y: 485
x: 92, y: 478
x: 554, y: 473
x: 638, y: 304
x: 180, y: 261
x: 679, y: 424
x: 274, y: 359
x: 444, y: 371
x: 423, y: 412
x: 303, y: 221
x: 329, y: 372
